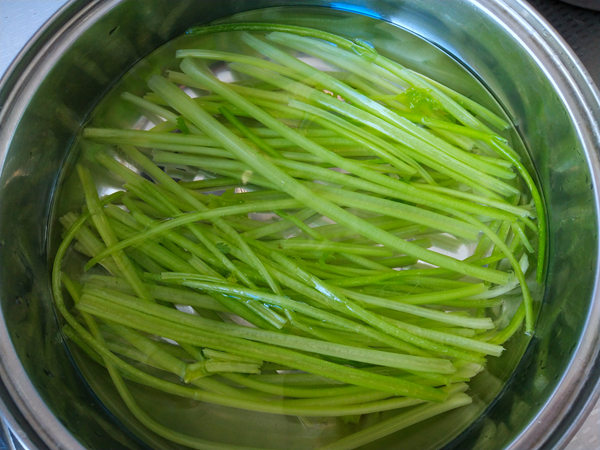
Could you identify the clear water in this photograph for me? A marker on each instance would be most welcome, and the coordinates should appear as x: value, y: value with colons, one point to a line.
x: 222, y: 424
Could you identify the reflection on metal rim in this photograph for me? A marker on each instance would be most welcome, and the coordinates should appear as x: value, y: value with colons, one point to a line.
x: 588, y: 4
x: 557, y: 420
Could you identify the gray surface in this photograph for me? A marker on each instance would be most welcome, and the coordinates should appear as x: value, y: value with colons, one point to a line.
x: 579, y: 27
x: 19, y: 19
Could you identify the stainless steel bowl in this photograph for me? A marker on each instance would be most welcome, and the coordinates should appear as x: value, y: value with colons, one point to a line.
x: 54, y: 85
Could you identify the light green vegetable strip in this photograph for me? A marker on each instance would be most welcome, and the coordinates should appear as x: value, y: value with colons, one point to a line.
x: 96, y: 342
x: 401, y: 191
x: 182, y: 78
x: 170, y: 184
x: 303, y: 308
x: 322, y: 246
x: 378, y: 146
x: 136, y: 374
x: 410, y: 146
x: 367, y: 69
x: 209, y: 183
x: 452, y: 319
x: 408, y: 132
x: 511, y: 328
x: 234, y: 57
x: 277, y: 227
x: 90, y: 242
x: 184, y: 219
x: 150, y: 348
x: 185, y: 243
x: 369, y: 401
x: 141, y: 138
x: 468, y: 103
x: 259, y: 316
x: 364, y: 262
x: 214, y: 354
x: 200, y: 336
x: 161, y: 430
x: 262, y: 313
x: 108, y: 236
x: 505, y: 206
x: 357, y: 259
x: 260, y: 143
x: 260, y: 335
x: 330, y: 157
x: 298, y: 392
x: 499, y: 145
x: 399, y: 210
x: 291, y: 186
x: 338, y: 302
x: 164, y: 293
x: 152, y: 107
x: 344, y: 197
x: 473, y: 345
x: 397, y: 423
x: 357, y: 46
x: 502, y: 149
x: 434, y: 297
x: 357, y: 328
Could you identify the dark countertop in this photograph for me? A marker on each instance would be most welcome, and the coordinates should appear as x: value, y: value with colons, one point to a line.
x: 579, y: 27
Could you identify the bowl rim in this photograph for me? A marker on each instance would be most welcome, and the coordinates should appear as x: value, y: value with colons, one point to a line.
x: 21, y: 407
x: 578, y: 390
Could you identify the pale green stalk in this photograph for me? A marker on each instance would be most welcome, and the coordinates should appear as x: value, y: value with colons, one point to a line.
x: 170, y: 184
x: 108, y: 236
x: 411, y: 134
x: 366, y: 69
x: 182, y: 102
x: 397, y: 423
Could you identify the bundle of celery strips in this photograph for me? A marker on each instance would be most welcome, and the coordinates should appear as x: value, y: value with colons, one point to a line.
x: 305, y: 270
